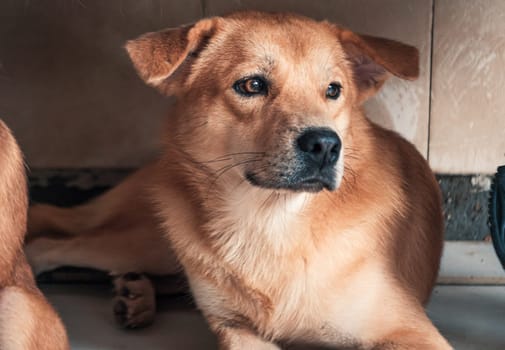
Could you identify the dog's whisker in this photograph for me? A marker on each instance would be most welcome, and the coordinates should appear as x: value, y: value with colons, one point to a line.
x: 230, y: 156
x: 229, y: 166
x: 238, y: 185
x: 239, y: 154
x: 267, y: 199
x: 216, y: 160
x: 220, y: 172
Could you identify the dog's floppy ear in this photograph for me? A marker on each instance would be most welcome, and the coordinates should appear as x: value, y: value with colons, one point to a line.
x: 374, y: 59
x: 158, y: 55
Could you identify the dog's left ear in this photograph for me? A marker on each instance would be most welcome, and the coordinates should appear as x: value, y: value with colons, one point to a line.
x: 374, y: 59
x: 157, y: 56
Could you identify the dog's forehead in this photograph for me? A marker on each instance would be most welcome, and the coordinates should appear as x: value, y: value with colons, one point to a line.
x: 290, y: 38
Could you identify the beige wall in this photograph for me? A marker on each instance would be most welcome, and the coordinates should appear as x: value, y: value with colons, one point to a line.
x: 467, y: 132
x: 71, y: 96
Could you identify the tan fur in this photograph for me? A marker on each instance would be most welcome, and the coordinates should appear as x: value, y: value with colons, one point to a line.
x: 101, y: 232
x: 27, y: 321
x: 351, y: 267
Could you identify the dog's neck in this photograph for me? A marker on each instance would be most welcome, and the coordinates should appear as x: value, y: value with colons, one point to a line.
x: 268, y: 215
x: 259, y: 226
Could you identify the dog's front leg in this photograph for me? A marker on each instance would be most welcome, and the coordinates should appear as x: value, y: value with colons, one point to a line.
x: 419, y: 333
x: 231, y: 338
x: 408, y: 340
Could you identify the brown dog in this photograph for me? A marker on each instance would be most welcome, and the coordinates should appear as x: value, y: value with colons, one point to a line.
x: 294, y: 217
x: 27, y: 321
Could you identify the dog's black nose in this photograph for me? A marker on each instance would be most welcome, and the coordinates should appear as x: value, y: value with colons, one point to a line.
x: 321, y: 146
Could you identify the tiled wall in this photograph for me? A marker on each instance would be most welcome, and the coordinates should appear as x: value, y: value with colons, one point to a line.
x: 467, y: 129
x: 71, y: 96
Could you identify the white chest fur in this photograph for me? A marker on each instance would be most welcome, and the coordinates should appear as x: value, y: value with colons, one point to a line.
x: 256, y: 223
x: 311, y: 287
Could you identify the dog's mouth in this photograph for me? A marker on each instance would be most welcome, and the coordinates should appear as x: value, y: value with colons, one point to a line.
x: 315, y: 184
x: 311, y: 184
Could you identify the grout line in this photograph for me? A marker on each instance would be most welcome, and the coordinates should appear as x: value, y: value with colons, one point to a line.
x: 432, y: 37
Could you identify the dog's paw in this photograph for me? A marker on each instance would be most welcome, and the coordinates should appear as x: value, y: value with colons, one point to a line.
x: 134, y: 300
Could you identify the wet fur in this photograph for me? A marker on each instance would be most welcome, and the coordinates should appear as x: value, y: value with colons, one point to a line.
x: 352, y: 267
x: 27, y: 321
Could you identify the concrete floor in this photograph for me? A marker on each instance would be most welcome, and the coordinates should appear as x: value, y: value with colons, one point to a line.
x: 471, y: 317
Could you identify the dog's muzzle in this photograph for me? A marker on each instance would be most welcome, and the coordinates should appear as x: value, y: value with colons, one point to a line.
x: 318, y: 150
x: 311, y: 166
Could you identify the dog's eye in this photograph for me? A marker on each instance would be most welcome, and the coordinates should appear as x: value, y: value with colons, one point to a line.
x: 251, y: 86
x: 333, y: 90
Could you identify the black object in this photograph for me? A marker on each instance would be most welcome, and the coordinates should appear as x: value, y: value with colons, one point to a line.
x: 497, y: 213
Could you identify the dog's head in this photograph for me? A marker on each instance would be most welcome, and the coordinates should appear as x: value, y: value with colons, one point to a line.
x: 268, y: 97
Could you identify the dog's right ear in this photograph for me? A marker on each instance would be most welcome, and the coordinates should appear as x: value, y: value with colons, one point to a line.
x: 158, y: 55
x: 374, y: 59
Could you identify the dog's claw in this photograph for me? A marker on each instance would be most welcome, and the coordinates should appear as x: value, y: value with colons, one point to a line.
x: 120, y: 312
x: 134, y: 301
